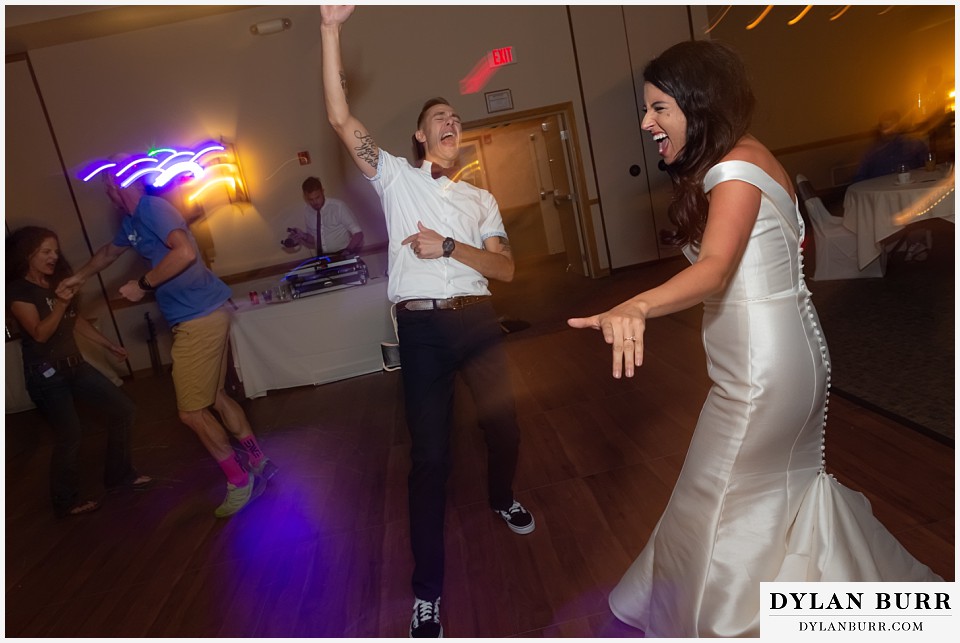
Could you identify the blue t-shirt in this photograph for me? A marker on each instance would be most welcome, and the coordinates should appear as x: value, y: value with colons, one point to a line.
x: 193, y: 293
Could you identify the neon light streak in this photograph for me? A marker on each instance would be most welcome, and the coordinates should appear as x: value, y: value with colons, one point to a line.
x: 136, y: 175
x: 98, y: 170
x: 129, y: 165
x: 722, y: 16
x: 800, y: 15
x: 223, y: 179
x: 469, y: 167
x: 229, y: 167
x: 473, y: 165
x: 760, y: 18
x: 212, y: 148
x: 173, y: 156
x: 175, y: 169
x: 478, y: 77
x: 885, y: 10
x: 926, y: 204
x: 162, y: 149
x: 839, y: 13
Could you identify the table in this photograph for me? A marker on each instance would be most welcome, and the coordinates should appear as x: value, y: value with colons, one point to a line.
x: 316, y: 339
x: 877, y: 208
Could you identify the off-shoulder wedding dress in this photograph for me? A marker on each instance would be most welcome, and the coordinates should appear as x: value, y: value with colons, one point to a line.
x: 753, y: 502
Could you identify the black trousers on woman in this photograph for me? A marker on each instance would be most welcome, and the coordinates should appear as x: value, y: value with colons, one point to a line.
x: 57, y: 397
x: 434, y: 346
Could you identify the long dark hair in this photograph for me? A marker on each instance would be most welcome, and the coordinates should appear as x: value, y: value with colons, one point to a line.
x: 709, y: 82
x: 22, y: 244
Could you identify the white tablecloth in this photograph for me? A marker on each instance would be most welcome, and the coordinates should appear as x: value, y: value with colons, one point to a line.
x: 317, y: 339
x: 877, y: 208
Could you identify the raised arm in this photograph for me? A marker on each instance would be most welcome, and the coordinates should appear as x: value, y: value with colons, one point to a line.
x: 351, y: 131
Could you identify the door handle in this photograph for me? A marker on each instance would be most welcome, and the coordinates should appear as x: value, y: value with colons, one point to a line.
x: 562, y: 197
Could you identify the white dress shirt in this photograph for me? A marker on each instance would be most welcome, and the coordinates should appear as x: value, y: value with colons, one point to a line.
x: 454, y: 209
x: 338, y: 225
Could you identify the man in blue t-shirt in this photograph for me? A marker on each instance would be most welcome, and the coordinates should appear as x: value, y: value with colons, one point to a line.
x: 192, y: 299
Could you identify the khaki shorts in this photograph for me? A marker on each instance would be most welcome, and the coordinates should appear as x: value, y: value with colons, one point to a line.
x: 200, y: 359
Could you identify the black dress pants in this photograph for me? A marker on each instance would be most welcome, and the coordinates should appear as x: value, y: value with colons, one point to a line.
x: 434, y: 346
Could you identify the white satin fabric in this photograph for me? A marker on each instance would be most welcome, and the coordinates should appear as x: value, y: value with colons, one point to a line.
x: 752, y: 502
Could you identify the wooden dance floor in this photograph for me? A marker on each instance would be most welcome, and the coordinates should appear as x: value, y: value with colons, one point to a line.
x: 325, y: 551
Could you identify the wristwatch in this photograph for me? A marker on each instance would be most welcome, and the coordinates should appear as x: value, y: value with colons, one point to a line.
x: 449, y: 245
x: 145, y: 285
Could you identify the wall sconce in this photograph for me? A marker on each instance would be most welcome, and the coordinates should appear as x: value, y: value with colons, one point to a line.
x: 271, y: 26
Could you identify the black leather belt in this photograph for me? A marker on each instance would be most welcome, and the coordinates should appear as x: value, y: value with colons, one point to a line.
x: 67, y: 362
x: 454, y: 303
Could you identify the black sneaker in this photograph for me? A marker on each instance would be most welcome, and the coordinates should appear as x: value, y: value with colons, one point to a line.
x: 425, y: 623
x: 517, y: 518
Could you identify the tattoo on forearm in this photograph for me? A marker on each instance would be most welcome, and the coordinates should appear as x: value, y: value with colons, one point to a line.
x: 367, y: 150
x: 504, y: 244
x: 343, y: 83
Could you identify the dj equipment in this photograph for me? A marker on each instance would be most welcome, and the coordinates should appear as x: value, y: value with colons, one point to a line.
x: 325, y: 273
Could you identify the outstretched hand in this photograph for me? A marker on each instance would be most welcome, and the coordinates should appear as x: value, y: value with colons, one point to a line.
x: 66, y: 294
x: 622, y: 327
x: 335, y: 14
x: 68, y: 287
x: 426, y: 244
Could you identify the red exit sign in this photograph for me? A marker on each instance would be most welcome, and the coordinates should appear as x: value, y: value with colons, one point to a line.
x: 502, y: 56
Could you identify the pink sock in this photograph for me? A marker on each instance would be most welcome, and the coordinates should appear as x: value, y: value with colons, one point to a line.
x: 234, y: 471
x: 253, y: 448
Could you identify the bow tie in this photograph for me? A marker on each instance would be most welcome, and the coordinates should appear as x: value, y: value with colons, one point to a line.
x: 436, y: 171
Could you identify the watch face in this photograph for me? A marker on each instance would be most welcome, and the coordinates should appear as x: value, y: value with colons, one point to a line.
x: 448, y: 246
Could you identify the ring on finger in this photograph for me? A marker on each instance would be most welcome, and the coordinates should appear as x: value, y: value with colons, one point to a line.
x: 630, y: 339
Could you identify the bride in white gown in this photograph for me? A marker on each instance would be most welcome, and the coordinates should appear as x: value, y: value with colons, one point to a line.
x: 753, y: 502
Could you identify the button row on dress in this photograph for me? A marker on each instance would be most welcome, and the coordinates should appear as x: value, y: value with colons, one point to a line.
x: 826, y: 401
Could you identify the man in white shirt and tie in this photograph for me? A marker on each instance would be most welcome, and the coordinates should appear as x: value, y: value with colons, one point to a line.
x: 338, y: 227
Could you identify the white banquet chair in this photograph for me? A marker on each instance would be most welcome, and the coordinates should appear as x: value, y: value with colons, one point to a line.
x: 836, y: 247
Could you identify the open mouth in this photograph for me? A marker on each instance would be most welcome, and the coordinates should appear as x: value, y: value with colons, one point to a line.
x: 447, y: 135
x: 662, y: 141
